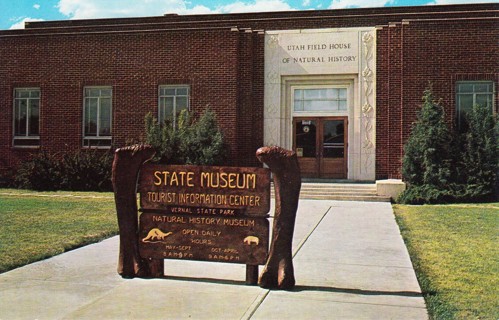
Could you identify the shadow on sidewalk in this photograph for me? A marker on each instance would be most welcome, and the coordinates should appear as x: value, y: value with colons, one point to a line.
x: 204, y: 280
x: 357, y: 291
x: 301, y: 288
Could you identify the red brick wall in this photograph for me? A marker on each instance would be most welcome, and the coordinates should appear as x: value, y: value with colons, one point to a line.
x: 383, y: 119
x: 415, y: 53
x: 225, y: 69
x: 250, y: 97
x: 134, y: 65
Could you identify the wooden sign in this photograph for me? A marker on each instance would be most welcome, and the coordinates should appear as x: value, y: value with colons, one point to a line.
x: 206, y: 213
x: 207, y: 238
x: 246, y: 191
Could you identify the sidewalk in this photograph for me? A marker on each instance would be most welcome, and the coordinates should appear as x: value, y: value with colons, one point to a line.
x: 350, y: 263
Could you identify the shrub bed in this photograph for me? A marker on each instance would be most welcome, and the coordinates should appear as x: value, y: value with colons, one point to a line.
x: 88, y: 170
x: 441, y: 166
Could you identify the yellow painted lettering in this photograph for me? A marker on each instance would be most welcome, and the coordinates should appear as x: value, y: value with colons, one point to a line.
x: 232, y: 178
x: 190, y: 177
x: 251, y: 181
x: 213, y: 181
x: 223, y: 177
x: 174, y: 178
x: 165, y: 177
x: 205, y: 179
x: 157, y: 176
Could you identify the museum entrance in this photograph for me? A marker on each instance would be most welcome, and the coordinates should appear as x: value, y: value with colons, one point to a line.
x: 321, y: 146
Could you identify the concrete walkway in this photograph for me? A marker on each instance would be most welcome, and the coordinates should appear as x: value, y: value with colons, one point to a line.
x: 350, y: 263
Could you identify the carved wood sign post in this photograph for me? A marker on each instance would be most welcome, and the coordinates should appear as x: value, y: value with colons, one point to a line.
x: 204, y: 213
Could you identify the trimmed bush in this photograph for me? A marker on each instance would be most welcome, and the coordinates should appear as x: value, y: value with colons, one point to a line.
x: 87, y: 170
x: 42, y: 172
x: 426, y: 194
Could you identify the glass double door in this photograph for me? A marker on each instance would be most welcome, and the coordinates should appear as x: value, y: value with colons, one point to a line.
x: 321, y: 146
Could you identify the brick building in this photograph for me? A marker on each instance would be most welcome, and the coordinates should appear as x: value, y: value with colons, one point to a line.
x: 340, y: 87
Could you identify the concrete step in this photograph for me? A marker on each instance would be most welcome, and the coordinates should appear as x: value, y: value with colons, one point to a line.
x: 311, y: 189
x: 340, y: 191
x: 346, y: 198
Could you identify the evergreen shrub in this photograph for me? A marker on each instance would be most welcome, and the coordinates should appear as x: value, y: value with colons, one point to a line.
x: 42, y: 172
x: 441, y: 167
x: 167, y: 139
x: 187, y: 142
x: 479, y: 162
x: 7, y: 178
x: 87, y: 170
x: 426, y: 158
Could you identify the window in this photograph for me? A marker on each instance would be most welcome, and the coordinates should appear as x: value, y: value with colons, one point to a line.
x: 97, y: 116
x: 472, y: 93
x: 26, y: 117
x: 320, y: 99
x: 172, y: 100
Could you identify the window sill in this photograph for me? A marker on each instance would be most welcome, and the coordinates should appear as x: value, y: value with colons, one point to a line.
x: 97, y: 147
x: 25, y: 147
x: 97, y: 143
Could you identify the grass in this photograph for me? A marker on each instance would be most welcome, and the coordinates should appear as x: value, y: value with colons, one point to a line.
x: 37, y: 225
x: 455, y: 252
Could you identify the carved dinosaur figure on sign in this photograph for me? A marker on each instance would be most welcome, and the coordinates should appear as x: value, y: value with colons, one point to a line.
x: 156, y: 235
x: 251, y: 239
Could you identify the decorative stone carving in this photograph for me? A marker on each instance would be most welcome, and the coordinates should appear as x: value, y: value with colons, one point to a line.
x: 290, y: 54
x: 367, y: 101
x: 273, y: 41
x: 271, y: 129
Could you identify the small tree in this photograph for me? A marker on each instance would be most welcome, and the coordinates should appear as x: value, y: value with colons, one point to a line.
x: 167, y: 139
x: 199, y: 143
x: 206, y: 144
x: 426, y: 162
x: 426, y: 158
x: 480, y: 155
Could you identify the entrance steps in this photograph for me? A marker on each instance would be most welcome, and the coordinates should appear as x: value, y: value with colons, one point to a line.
x: 340, y: 191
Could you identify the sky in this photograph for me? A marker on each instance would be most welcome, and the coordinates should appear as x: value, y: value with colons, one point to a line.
x: 13, y: 13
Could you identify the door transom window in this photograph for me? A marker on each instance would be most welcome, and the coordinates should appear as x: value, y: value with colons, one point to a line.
x: 327, y: 99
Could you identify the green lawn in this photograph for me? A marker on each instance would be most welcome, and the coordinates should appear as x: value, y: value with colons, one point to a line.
x: 455, y: 251
x: 37, y: 225
x: 454, y: 248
